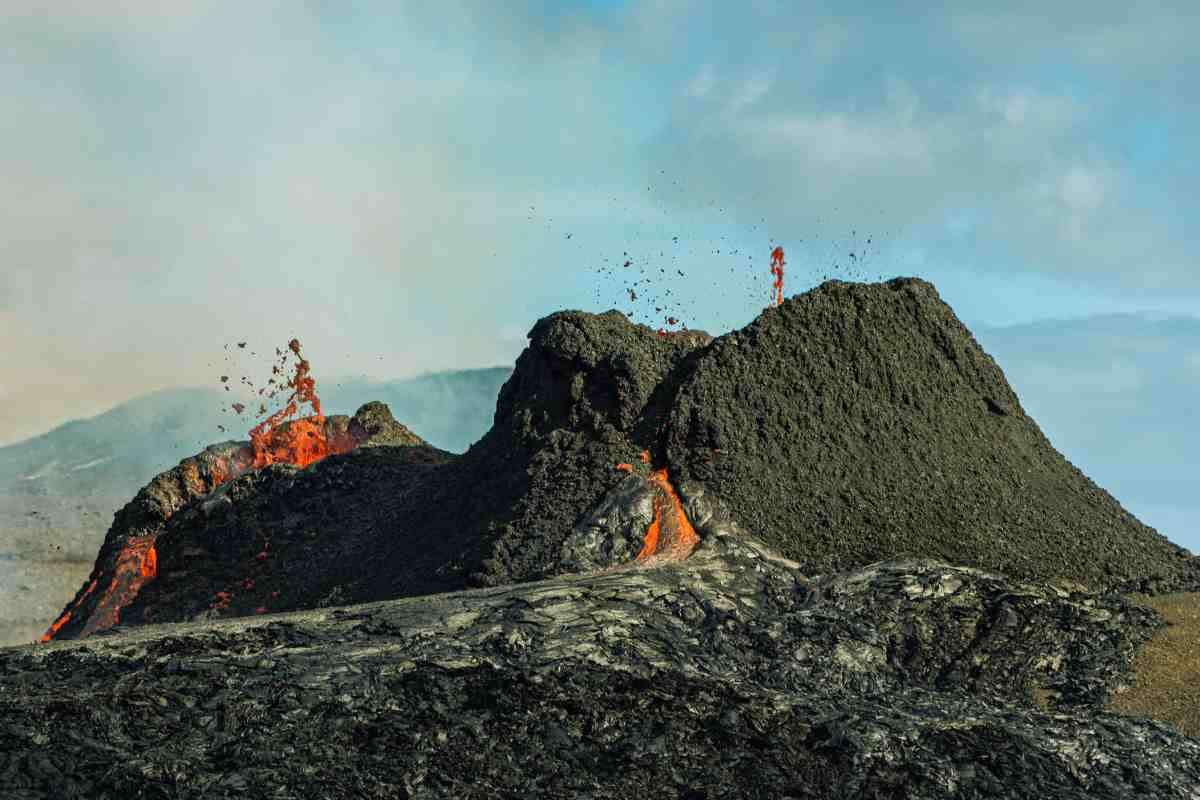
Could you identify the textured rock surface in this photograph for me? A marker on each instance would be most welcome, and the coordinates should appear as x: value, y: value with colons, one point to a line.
x: 727, y: 675
x: 858, y: 422
x: 850, y: 460
x: 373, y: 425
x: 191, y: 484
x: 851, y: 424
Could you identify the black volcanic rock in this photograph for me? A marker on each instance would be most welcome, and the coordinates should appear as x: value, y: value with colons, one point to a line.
x: 373, y: 425
x: 859, y: 422
x: 589, y: 392
x: 99, y: 604
x: 726, y: 675
x: 851, y: 424
x: 900, y: 590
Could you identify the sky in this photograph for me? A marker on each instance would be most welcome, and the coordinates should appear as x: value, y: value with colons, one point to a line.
x: 408, y: 186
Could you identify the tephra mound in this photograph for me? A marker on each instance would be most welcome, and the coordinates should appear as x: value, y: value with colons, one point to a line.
x: 848, y: 425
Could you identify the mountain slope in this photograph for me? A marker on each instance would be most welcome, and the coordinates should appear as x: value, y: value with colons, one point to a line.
x: 117, y: 452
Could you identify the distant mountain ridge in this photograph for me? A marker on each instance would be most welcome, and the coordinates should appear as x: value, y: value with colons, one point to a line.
x: 116, y: 452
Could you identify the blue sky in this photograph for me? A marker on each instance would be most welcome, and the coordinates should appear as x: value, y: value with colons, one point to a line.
x: 407, y: 187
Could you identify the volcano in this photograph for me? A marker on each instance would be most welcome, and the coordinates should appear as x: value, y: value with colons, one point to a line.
x: 825, y: 555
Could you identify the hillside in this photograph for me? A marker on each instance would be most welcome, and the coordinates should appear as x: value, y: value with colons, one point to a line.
x: 60, y: 490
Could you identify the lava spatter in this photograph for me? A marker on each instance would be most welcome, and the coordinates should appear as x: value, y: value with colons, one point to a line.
x: 301, y: 441
x: 777, y: 263
x: 278, y: 438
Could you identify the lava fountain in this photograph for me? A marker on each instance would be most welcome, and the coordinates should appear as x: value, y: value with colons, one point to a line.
x: 277, y: 439
x: 777, y: 263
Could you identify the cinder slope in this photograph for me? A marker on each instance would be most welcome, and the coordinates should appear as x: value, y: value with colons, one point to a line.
x: 857, y: 422
x: 851, y: 424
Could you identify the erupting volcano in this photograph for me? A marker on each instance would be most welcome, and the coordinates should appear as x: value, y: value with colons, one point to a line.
x: 836, y: 523
x: 280, y: 438
x: 762, y: 427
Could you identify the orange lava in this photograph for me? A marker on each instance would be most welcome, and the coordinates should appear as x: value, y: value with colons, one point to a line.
x: 300, y: 441
x: 670, y: 534
x: 137, y: 563
x: 777, y: 263
x: 278, y: 438
x: 66, y: 615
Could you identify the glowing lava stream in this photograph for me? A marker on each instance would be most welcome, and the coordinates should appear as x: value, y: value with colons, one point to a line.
x: 670, y: 535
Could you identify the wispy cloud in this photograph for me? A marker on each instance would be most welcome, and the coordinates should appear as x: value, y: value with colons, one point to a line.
x: 180, y: 173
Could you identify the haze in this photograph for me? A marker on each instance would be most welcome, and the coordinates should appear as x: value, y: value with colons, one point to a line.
x: 408, y: 189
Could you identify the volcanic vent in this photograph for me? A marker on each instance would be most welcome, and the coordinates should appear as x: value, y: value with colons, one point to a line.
x: 851, y: 424
x: 128, y: 560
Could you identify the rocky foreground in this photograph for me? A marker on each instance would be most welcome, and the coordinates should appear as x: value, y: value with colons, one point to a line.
x: 726, y: 675
x: 900, y: 589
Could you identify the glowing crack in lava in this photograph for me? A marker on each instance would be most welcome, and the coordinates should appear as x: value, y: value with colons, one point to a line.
x: 276, y: 439
x: 777, y: 263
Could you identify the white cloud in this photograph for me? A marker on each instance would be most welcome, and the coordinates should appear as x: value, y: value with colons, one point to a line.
x: 748, y: 93
x: 840, y: 140
x: 702, y: 83
x: 1083, y: 190
x: 1027, y: 107
x: 1115, y: 378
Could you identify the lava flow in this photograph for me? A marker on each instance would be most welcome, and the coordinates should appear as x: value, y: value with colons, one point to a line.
x: 66, y: 615
x: 777, y: 263
x: 670, y: 534
x: 136, y: 566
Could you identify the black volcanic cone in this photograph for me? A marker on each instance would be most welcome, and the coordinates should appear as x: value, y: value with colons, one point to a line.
x: 589, y: 392
x: 857, y: 422
x: 196, y: 489
x: 851, y: 424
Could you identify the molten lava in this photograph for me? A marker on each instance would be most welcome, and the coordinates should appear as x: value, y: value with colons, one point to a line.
x: 137, y: 564
x: 777, y: 263
x: 670, y: 534
x: 300, y: 441
x: 66, y: 615
x: 278, y: 438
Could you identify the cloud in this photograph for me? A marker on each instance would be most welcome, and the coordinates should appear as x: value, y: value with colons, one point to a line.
x: 702, y: 83
x: 1103, y: 35
x: 362, y: 177
x: 850, y: 145
x: 1023, y: 106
